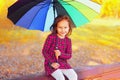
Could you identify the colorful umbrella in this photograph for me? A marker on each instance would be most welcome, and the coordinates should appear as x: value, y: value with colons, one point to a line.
x: 40, y: 14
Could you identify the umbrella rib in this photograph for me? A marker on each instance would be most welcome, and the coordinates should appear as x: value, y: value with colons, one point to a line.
x: 74, y: 7
x: 58, y: 6
x: 15, y: 12
x: 81, y: 11
x: 36, y: 14
x: 65, y: 3
x: 39, y: 12
x: 95, y: 6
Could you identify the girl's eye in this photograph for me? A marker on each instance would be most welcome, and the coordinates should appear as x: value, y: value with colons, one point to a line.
x: 66, y: 27
x: 59, y: 27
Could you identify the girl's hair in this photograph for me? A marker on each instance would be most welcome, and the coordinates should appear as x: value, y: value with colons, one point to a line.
x: 59, y: 18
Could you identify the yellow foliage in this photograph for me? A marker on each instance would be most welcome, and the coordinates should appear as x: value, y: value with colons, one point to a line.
x: 2, y: 8
x: 110, y: 8
x: 98, y: 1
x: 20, y: 36
x: 93, y: 40
x: 4, y: 4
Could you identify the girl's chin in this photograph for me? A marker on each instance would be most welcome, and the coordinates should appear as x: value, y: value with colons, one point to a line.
x: 62, y: 35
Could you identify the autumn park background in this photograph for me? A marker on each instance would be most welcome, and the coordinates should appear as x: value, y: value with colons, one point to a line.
x: 96, y: 43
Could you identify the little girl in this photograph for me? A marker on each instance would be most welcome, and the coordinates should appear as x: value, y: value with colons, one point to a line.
x: 57, y: 50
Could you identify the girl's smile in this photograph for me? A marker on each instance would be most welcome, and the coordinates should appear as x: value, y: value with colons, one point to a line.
x: 62, y: 28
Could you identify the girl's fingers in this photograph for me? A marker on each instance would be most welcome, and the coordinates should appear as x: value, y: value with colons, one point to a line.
x: 55, y: 65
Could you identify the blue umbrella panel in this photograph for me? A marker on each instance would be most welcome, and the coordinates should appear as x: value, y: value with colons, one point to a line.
x: 40, y: 14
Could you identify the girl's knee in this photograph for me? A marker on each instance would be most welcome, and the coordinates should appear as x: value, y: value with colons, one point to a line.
x: 73, y: 76
x: 61, y: 78
x: 58, y: 75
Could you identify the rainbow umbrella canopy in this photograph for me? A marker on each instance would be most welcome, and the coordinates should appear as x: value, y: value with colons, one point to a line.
x: 40, y: 14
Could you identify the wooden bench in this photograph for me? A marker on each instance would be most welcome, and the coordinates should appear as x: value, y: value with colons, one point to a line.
x: 100, y: 72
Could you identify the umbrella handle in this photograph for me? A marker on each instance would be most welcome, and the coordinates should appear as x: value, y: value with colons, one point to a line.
x: 57, y: 58
x: 56, y: 55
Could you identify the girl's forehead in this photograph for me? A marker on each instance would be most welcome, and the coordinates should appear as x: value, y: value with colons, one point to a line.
x: 63, y: 21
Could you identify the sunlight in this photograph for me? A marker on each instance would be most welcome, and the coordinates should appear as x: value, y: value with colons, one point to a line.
x: 98, y: 1
x: 1, y: 4
x: 4, y: 4
x: 9, y: 3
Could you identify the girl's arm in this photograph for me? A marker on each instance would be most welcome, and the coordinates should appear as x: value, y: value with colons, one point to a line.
x: 68, y: 53
x: 46, y: 48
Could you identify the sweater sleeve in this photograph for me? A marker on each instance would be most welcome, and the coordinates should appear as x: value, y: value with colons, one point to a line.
x: 68, y: 52
x: 46, y: 49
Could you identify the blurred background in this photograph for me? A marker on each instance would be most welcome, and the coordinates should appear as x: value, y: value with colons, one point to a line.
x: 95, y: 43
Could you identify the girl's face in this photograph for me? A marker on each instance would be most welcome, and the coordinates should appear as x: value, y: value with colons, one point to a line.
x: 62, y: 28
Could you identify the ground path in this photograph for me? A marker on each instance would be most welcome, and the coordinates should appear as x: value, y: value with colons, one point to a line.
x: 100, y: 72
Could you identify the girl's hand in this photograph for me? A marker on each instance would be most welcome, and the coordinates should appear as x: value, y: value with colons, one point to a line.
x: 55, y: 65
x: 57, y: 53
